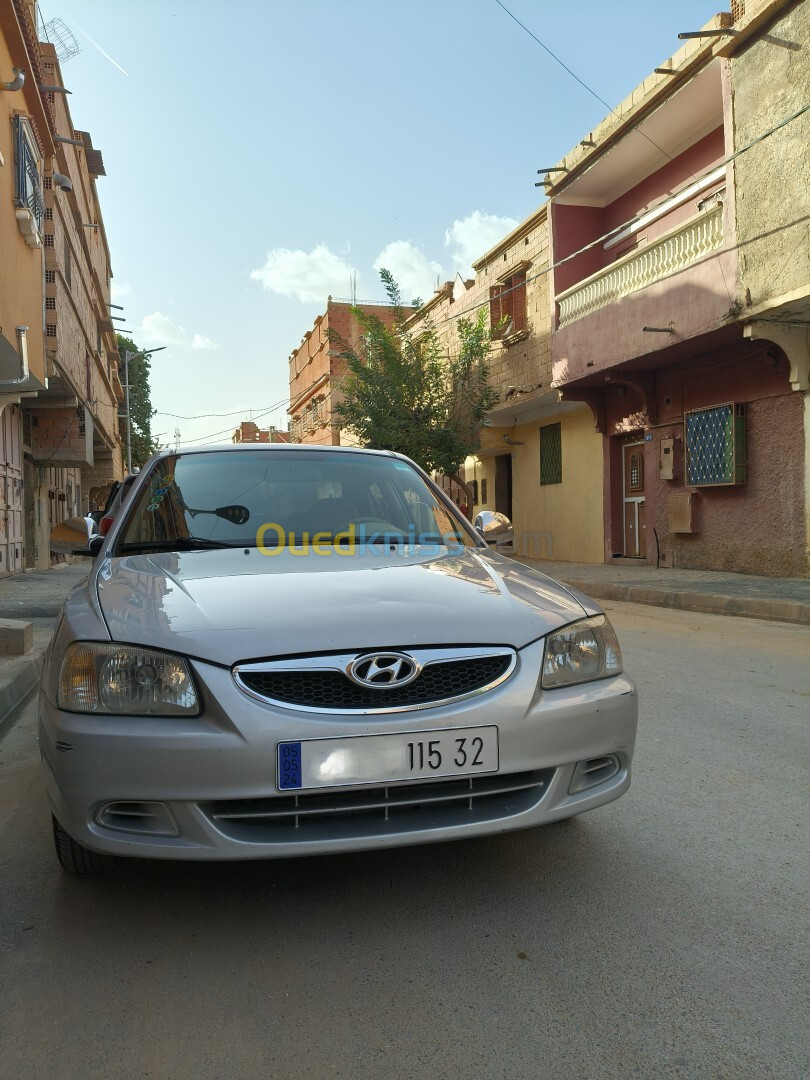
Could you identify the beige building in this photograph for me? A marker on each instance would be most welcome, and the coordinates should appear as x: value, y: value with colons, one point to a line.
x: 770, y: 81
x: 59, y: 425
x: 536, y: 459
x: 25, y: 146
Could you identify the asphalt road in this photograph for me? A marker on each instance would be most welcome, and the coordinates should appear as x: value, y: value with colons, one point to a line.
x: 662, y: 936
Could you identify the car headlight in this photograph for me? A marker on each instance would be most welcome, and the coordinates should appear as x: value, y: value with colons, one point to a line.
x: 581, y: 652
x: 125, y: 680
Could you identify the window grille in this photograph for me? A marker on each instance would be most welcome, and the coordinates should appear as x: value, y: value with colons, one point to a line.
x: 50, y: 303
x: 47, y: 240
x: 48, y: 213
x: 28, y: 186
x: 551, y: 454
x: 50, y: 330
x: 715, y: 446
x: 50, y: 277
x: 68, y: 265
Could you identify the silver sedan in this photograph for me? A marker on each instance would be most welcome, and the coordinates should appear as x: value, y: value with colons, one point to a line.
x: 298, y: 650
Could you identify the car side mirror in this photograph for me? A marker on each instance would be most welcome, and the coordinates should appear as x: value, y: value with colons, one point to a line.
x: 496, y: 529
x: 74, y: 536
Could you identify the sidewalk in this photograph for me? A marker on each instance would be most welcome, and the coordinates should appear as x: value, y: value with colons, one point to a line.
x: 709, y: 591
x: 34, y: 597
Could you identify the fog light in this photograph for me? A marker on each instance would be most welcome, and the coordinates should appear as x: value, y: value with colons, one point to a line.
x: 150, y: 818
x: 594, y: 771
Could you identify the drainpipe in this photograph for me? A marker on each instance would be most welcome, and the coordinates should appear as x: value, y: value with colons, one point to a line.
x: 22, y: 349
x: 17, y: 83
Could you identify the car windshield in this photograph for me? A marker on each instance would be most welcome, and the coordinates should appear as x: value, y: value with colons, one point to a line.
x: 282, y: 498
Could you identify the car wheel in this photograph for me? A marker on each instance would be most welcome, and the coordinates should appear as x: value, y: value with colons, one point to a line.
x: 75, y: 859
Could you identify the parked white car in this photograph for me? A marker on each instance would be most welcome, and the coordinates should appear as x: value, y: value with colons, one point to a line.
x: 298, y: 650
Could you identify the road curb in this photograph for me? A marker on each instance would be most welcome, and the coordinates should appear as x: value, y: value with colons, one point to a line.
x: 706, y: 603
x: 21, y: 676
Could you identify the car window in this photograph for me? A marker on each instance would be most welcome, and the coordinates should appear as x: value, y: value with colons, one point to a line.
x: 278, y: 498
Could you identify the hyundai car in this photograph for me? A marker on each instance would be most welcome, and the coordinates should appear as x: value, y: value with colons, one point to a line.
x: 296, y: 650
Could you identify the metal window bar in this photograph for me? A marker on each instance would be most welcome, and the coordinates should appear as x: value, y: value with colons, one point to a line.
x: 715, y: 440
x: 28, y: 183
x: 551, y: 454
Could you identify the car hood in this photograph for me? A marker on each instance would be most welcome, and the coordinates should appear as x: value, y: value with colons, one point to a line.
x: 227, y: 606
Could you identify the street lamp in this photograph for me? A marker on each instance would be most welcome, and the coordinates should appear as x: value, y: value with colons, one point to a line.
x: 127, y: 357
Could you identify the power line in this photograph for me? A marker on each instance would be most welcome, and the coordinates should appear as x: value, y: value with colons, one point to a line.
x: 213, y: 435
x: 205, y: 416
x: 581, y: 82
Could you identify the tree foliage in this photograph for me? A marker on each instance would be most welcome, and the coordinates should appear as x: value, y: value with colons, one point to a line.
x: 404, y: 393
x: 140, y: 401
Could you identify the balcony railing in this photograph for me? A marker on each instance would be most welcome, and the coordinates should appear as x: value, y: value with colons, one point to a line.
x: 672, y: 253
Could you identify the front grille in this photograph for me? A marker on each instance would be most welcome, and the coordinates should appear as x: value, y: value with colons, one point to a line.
x: 333, y: 690
x: 342, y: 815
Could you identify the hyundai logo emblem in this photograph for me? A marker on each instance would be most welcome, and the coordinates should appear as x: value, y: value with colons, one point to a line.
x: 383, y: 671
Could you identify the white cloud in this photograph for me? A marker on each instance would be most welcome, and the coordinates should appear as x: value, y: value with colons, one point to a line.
x: 469, y: 238
x: 159, y: 328
x: 119, y: 291
x: 413, y: 271
x: 200, y: 341
x: 310, y: 276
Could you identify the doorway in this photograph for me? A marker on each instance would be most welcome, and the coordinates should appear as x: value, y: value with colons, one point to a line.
x: 503, y: 485
x: 635, y: 541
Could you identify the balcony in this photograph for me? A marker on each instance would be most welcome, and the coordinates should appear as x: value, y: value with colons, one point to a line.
x: 670, y: 254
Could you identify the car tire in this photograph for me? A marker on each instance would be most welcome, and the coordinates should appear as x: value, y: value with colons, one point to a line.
x: 75, y: 859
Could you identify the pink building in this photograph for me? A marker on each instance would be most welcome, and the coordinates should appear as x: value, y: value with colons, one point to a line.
x: 700, y: 424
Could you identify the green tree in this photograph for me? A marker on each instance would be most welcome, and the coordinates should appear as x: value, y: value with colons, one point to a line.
x: 140, y: 401
x: 403, y: 393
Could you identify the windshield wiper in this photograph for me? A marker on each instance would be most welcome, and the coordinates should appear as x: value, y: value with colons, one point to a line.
x: 181, y: 543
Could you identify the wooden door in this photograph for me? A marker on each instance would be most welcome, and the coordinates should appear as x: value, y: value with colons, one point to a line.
x: 635, y: 546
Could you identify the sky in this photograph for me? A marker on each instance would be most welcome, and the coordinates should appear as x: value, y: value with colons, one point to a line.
x: 262, y: 153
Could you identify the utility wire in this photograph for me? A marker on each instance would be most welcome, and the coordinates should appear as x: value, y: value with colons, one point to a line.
x: 205, y: 416
x: 581, y: 82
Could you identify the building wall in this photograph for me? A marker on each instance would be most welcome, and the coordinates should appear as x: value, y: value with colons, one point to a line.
x: 316, y: 370
x: 20, y: 265
x: 771, y: 80
x: 560, y: 522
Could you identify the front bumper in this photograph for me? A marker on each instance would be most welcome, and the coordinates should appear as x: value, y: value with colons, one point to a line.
x: 201, y: 770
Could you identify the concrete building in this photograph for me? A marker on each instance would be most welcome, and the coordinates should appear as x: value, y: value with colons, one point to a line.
x: 249, y: 432
x: 699, y: 418
x: 770, y: 82
x: 316, y: 370
x: 534, y: 464
x: 25, y: 146
x: 60, y: 427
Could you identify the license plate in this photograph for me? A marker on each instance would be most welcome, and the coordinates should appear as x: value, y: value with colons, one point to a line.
x: 385, y: 759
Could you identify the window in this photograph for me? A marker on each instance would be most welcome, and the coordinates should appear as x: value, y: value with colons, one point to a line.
x: 474, y: 486
x: 507, y: 305
x: 28, y: 186
x: 68, y: 265
x: 484, y: 492
x: 551, y: 454
x: 715, y: 445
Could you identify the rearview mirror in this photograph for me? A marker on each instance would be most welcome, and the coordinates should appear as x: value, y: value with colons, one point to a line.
x: 495, y: 528
x: 75, y: 536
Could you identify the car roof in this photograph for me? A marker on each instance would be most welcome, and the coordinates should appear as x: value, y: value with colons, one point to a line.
x: 295, y: 448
